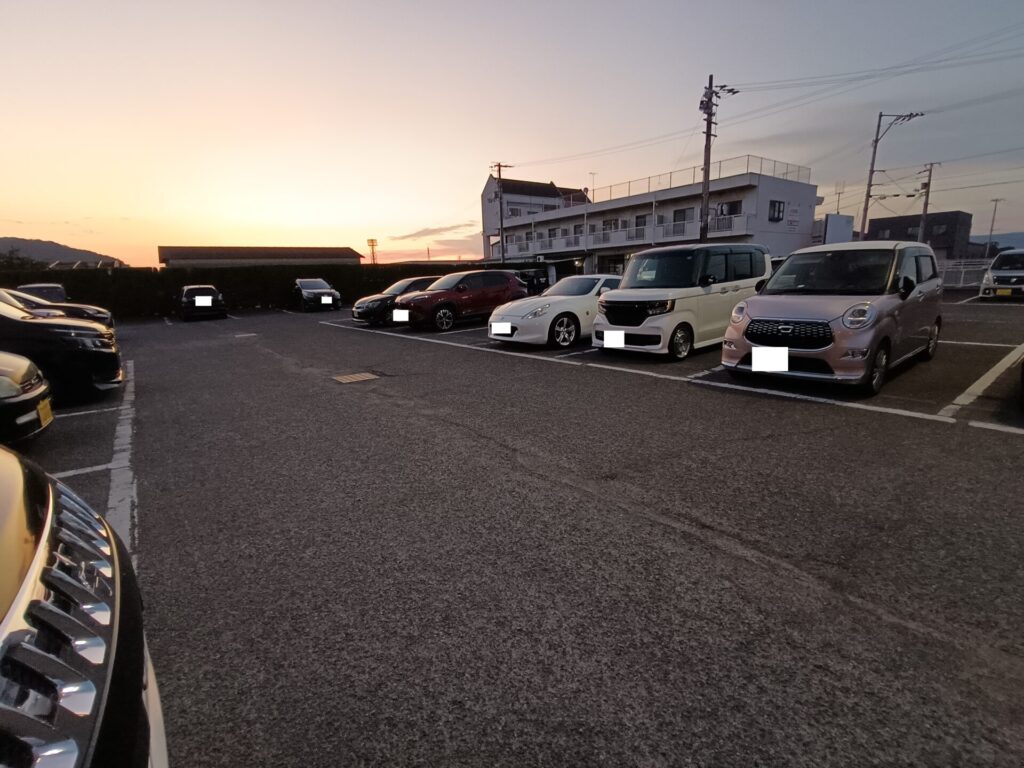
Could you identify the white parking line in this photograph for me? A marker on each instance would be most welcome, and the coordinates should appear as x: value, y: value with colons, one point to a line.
x: 716, y: 369
x: 122, y: 499
x: 466, y: 330
x: 972, y: 298
x: 997, y: 427
x: 86, y: 413
x: 581, y: 352
x: 687, y: 379
x: 244, y: 335
x: 234, y: 318
x: 82, y: 471
x: 287, y: 311
x: 977, y: 389
x: 168, y: 321
x: 976, y: 343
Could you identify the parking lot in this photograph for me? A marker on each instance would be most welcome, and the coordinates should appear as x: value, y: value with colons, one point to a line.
x: 489, y: 554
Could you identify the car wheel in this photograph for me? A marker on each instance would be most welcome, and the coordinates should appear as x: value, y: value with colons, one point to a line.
x: 877, y: 372
x: 444, y: 318
x: 680, y: 343
x: 933, y: 341
x: 564, y: 331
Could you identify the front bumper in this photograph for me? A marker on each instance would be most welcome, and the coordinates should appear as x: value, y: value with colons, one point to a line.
x: 533, y: 331
x: 419, y: 313
x: 26, y: 415
x: 846, y: 360
x: 375, y: 314
x: 651, y: 336
x: 1001, y: 292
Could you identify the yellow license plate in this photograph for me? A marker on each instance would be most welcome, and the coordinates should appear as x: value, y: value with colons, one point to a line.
x: 1003, y: 292
x: 45, y: 412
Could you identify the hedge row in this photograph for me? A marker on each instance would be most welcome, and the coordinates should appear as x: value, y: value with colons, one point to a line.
x: 147, y: 292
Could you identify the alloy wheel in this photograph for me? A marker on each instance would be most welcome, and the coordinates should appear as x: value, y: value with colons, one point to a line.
x: 565, y: 332
x: 444, y: 319
x: 680, y: 343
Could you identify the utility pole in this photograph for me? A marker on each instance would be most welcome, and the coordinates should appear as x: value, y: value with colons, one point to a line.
x: 709, y: 105
x: 991, y: 227
x: 879, y: 134
x: 926, y: 187
x: 501, y: 210
x: 840, y: 188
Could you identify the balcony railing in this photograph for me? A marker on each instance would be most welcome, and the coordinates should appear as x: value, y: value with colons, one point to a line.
x: 733, y: 166
x: 637, y: 237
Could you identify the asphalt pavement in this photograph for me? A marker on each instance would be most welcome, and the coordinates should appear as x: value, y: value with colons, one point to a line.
x: 496, y: 556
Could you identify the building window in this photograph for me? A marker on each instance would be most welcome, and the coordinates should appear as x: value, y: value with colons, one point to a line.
x: 884, y: 234
x: 731, y: 208
x: 509, y: 239
x: 912, y: 231
x: 641, y: 221
x: 682, y: 214
x: 776, y: 210
x: 552, y: 233
x: 609, y: 225
x: 939, y: 229
x: 577, y: 229
x: 550, y: 207
x: 529, y: 237
x: 515, y: 211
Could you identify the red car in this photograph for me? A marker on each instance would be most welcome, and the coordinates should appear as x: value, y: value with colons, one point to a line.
x: 461, y: 296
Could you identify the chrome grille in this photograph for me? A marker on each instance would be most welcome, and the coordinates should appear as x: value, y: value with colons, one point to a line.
x: 798, y: 334
x: 1008, y: 280
x: 29, y: 384
x: 53, y: 670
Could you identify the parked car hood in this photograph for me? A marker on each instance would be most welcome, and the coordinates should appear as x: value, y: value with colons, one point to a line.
x: 643, y: 294
x: 803, y: 306
x: 62, y: 305
x: 69, y: 324
x: 419, y: 295
x: 15, y: 367
x: 376, y: 297
x: 523, y: 307
x: 24, y: 497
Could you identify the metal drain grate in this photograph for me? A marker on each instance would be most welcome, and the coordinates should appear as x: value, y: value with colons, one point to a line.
x: 351, y: 378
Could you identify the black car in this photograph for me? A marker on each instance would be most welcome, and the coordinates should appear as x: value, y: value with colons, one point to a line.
x: 196, y: 301
x: 313, y: 293
x: 81, y: 311
x: 49, y: 291
x: 75, y: 355
x: 7, y: 297
x: 25, y: 409
x: 377, y: 309
x: 77, y: 687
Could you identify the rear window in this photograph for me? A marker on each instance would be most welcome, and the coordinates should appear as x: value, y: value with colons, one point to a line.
x: 200, y: 292
x: 313, y: 285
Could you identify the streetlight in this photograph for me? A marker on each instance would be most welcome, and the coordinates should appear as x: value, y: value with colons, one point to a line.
x: 879, y: 134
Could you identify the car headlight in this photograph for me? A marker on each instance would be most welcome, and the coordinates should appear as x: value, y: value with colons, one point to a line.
x: 372, y: 304
x: 8, y: 387
x: 859, y: 316
x: 307, y: 295
x: 739, y: 312
x: 987, y: 278
x: 601, y: 308
x: 660, y: 307
x: 536, y: 313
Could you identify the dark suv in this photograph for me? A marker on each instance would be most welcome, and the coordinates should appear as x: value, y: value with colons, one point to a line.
x: 75, y: 355
x: 461, y: 296
x: 77, y: 687
x: 201, y: 301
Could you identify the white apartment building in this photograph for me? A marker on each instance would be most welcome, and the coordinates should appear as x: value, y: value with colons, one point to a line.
x: 752, y: 200
x: 521, y: 198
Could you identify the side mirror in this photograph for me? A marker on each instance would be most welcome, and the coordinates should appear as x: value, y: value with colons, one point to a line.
x: 603, y: 290
x: 759, y: 285
x: 706, y: 280
x: 461, y: 288
x: 906, y: 287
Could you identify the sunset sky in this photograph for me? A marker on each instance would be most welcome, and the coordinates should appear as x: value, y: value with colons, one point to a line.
x: 129, y: 125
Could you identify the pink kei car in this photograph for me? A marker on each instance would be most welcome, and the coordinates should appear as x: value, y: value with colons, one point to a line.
x: 846, y: 312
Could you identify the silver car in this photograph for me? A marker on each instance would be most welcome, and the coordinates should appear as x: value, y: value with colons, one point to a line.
x: 845, y: 312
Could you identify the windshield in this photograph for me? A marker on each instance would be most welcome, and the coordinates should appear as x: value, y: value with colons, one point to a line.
x: 1009, y: 261
x: 662, y: 269
x: 314, y: 285
x: 447, y: 282
x: 397, y: 289
x: 573, y: 286
x: 839, y: 273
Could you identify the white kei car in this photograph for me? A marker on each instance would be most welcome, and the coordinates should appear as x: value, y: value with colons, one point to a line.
x: 560, y: 316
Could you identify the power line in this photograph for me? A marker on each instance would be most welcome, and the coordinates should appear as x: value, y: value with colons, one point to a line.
x: 979, y: 186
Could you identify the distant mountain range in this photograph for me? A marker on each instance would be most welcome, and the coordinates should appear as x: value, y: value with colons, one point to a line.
x: 47, y: 252
x: 1005, y: 239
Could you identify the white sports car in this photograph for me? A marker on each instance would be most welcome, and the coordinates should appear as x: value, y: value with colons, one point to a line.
x: 559, y: 316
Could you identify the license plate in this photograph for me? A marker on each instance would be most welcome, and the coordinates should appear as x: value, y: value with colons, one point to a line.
x: 45, y: 412
x: 326, y: 300
x: 1004, y: 291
